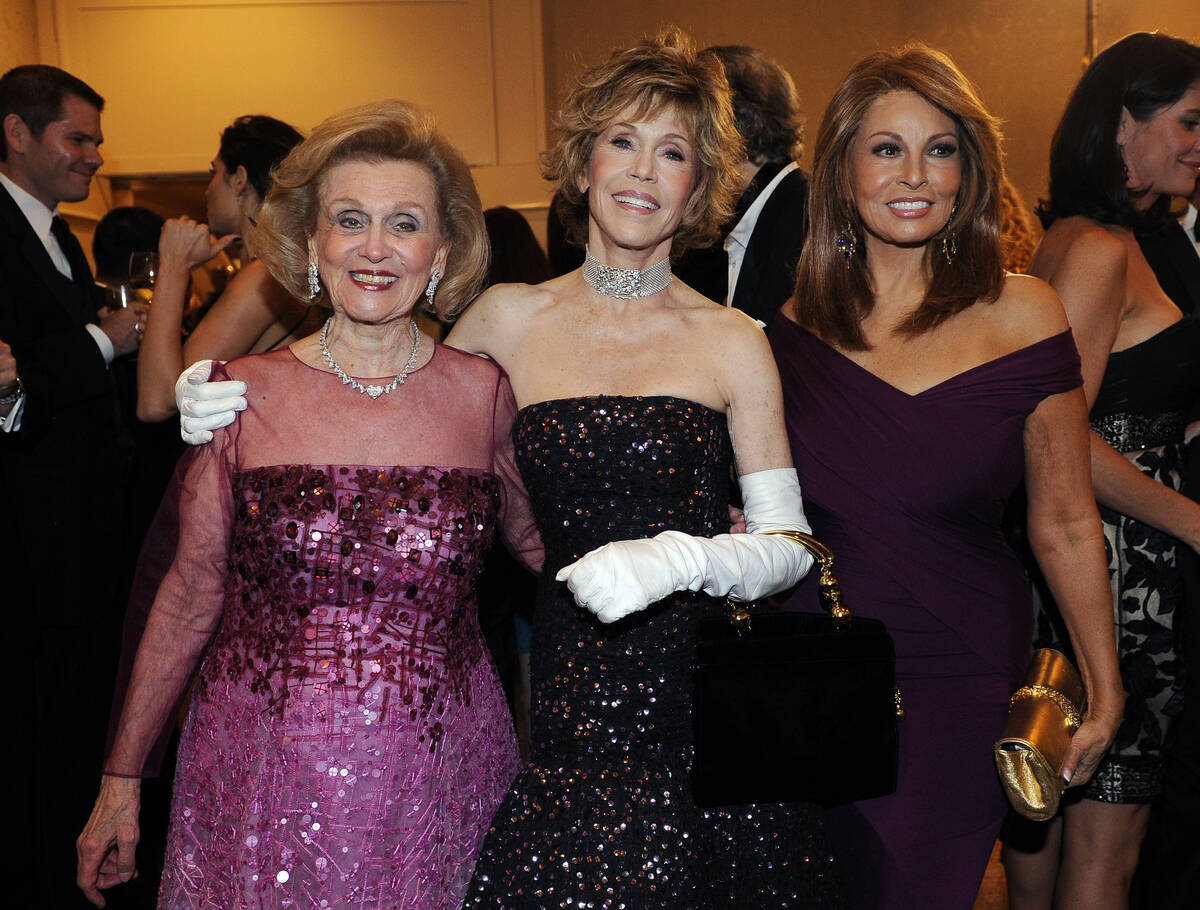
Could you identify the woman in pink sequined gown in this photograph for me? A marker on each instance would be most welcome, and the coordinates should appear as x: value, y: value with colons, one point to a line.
x: 347, y: 741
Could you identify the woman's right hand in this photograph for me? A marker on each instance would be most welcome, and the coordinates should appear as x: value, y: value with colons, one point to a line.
x: 186, y: 244
x: 106, y: 846
x: 204, y: 405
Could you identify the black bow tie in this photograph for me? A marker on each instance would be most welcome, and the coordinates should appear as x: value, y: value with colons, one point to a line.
x: 1196, y: 230
x: 80, y: 272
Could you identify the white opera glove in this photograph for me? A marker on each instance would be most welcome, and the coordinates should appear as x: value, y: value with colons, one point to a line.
x: 625, y: 576
x: 206, y: 406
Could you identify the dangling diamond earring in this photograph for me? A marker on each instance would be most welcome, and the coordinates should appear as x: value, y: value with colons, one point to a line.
x: 847, y: 243
x: 430, y: 289
x: 314, y: 280
x: 949, y: 247
x: 949, y: 240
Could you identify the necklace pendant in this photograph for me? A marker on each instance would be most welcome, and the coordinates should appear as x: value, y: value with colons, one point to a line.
x: 374, y: 391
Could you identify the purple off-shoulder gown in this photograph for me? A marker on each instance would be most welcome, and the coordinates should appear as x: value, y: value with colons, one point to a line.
x: 348, y: 741
x: 908, y: 492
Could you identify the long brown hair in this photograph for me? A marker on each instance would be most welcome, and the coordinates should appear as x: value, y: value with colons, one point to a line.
x: 832, y: 300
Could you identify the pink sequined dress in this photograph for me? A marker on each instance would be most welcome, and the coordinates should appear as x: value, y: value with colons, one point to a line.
x: 348, y: 741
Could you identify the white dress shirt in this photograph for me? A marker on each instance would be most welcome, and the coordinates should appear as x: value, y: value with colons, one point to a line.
x: 739, y: 238
x: 1188, y: 223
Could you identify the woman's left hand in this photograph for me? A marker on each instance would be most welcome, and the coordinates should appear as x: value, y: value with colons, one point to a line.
x: 106, y: 846
x: 1089, y: 745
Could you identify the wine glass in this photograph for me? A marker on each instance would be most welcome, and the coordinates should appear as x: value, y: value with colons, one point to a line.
x: 143, y: 269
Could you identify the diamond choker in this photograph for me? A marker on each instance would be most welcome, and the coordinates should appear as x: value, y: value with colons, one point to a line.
x: 626, y: 284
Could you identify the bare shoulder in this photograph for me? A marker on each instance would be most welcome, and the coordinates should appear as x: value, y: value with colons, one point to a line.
x: 731, y: 328
x: 495, y: 318
x: 1028, y: 310
x: 252, y: 278
x: 1077, y: 247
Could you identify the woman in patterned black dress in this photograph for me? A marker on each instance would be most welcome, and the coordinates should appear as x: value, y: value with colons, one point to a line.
x: 1129, y: 139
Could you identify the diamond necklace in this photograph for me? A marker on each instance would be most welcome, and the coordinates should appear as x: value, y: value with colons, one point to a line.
x: 626, y: 284
x: 373, y: 390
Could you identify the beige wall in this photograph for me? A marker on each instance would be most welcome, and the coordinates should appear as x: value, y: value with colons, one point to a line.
x: 1025, y: 55
x: 175, y: 73
x: 18, y: 33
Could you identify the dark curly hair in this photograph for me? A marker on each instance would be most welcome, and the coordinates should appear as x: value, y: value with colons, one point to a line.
x: 766, y: 106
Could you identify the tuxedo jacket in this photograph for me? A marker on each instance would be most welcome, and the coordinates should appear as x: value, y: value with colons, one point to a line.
x: 60, y: 474
x: 767, y: 277
x: 1176, y: 264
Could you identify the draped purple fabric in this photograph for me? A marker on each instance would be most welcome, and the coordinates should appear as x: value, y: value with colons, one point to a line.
x: 908, y: 491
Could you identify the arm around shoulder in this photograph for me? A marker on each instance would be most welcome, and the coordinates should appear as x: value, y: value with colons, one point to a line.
x: 750, y: 382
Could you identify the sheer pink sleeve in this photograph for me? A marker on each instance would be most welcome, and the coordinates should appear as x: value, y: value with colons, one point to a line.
x: 517, y: 528
x: 189, y: 542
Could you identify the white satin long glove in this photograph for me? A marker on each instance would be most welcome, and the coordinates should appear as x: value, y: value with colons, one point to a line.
x: 625, y: 576
x: 206, y: 406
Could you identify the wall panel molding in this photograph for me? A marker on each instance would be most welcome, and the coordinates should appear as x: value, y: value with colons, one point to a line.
x: 174, y: 74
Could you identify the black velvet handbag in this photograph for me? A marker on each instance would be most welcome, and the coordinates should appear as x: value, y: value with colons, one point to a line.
x: 794, y: 706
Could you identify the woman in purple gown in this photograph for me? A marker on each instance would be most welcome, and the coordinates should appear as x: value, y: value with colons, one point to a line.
x: 347, y: 741
x: 921, y: 382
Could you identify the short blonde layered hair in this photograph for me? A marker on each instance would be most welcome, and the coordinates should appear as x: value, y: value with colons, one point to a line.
x: 376, y: 132
x: 662, y: 73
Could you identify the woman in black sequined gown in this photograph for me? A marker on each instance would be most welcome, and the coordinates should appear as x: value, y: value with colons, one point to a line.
x: 1129, y: 139
x: 628, y: 406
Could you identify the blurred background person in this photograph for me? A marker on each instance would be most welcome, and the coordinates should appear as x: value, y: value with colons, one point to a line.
x: 1128, y: 140
x: 1172, y: 250
x: 64, y: 458
x: 921, y: 383
x: 253, y: 313
x: 753, y: 265
x: 1018, y: 236
x: 124, y: 230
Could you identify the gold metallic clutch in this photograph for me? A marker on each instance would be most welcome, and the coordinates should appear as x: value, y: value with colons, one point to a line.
x: 1043, y: 715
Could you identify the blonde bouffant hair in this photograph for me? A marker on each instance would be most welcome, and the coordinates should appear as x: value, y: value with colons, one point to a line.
x: 376, y: 132
x: 661, y: 73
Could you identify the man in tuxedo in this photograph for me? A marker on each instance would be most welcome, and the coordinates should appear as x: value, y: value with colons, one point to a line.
x: 1174, y: 254
x: 60, y: 478
x: 753, y: 266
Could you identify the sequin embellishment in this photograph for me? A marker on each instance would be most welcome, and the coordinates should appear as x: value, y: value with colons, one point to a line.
x: 348, y: 741
x: 603, y: 817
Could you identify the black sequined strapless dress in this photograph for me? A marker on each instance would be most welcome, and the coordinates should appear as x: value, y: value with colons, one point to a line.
x: 603, y: 815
